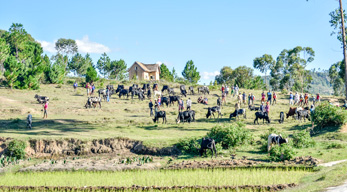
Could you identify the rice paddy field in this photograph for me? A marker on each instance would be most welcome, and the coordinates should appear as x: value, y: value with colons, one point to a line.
x: 187, y: 177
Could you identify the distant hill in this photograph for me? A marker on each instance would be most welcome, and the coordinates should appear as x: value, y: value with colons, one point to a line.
x: 320, y: 83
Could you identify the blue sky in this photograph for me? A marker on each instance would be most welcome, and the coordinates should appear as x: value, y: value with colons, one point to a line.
x: 211, y: 33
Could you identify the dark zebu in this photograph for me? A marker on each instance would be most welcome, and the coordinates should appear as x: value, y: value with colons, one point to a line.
x: 191, y: 90
x: 261, y: 115
x: 238, y: 113
x: 124, y: 92
x: 119, y: 88
x: 173, y: 99
x: 212, y: 110
x: 203, y: 90
x: 165, y: 88
x: 183, y: 90
x: 188, y: 116
x: 41, y: 99
x: 208, y: 144
x: 160, y: 114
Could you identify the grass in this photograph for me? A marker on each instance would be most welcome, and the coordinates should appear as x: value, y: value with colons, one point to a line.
x: 320, y: 180
x: 186, y: 177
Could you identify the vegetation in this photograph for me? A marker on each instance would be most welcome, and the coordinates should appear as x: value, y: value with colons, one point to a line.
x: 166, y: 74
x: 16, y: 148
x: 328, y: 115
x: 190, y: 72
x: 281, y: 153
x: 302, y: 139
x: 230, y: 135
x: 186, y: 177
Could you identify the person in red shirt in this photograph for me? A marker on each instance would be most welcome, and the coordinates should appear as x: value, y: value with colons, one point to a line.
x: 45, y: 107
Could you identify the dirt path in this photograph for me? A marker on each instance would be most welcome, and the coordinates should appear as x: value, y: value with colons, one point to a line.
x: 341, y: 188
x: 329, y: 164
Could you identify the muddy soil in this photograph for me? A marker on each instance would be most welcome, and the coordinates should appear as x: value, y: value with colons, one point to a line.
x: 155, y: 188
x: 70, y: 147
x: 98, y: 163
x: 308, y: 161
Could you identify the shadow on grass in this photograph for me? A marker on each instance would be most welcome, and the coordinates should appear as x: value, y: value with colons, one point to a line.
x: 42, y: 126
x: 212, y: 120
x: 160, y: 126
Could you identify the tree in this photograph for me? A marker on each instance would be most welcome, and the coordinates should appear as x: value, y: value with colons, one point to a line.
x: 118, y: 69
x: 225, y: 76
x: 66, y: 47
x: 165, y: 73
x: 12, y: 70
x: 243, y: 76
x: 92, y: 75
x: 190, y: 72
x: 104, y: 64
x: 338, y: 22
x: 263, y: 63
x: 4, y: 52
x: 16, y: 37
x: 337, y: 74
x: 79, y: 64
x: 174, y: 74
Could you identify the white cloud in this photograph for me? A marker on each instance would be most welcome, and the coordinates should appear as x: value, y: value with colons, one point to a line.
x: 84, y: 46
x: 48, y: 46
x: 209, y: 75
x: 159, y: 62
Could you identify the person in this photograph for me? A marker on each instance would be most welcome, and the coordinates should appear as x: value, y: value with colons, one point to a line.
x: 205, y: 100
x: 239, y: 98
x: 180, y: 105
x: 274, y: 95
x: 311, y: 113
x: 30, y: 120
x: 189, y: 104
x: 93, y: 89
x: 244, y: 98
x: 224, y: 98
x: 223, y: 89
x: 237, y: 106
x: 267, y: 109
x: 313, y: 100
x: 306, y: 99
x: 159, y: 101
x: 87, y: 87
x: 296, y: 99
x: 236, y: 90
x: 291, y: 96
x: 45, y: 107
x: 227, y: 90
x: 252, y: 98
x: 301, y: 99
x: 108, y: 94
x: 219, y: 102
x: 150, y: 105
x: 156, y: 107
x: 249, y: 99
x: 263, y: 97
x: 200, y: 99
x: 269, y: 96
x: 75, y: 85
x: 318, y: 98
x: 261, y: 108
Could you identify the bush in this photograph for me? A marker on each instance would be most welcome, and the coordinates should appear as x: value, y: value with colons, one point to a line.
x: 281, y: 153
x: 219, y: 149
x: 284, y: 91
x: 189, y: 146
x: 335, y: 146
x: 329, y: 115
x: 230, y: 135
x: 16, y: 148
x: 303, y: 139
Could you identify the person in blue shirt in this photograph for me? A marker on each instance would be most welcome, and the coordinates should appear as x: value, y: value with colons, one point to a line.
x: 269, y: 97
x: 75, y: 85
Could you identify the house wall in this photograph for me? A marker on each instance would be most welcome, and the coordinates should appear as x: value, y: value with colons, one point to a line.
x: 140, y: 72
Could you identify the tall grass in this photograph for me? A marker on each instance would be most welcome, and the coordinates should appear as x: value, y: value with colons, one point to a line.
x: 187, y: 177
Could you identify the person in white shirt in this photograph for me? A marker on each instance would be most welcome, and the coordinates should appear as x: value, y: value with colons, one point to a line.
x: 189, y: 104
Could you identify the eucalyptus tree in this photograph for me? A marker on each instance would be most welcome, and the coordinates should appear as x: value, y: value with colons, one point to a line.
x: 263, y: 63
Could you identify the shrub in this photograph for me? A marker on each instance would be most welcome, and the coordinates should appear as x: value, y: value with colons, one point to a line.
x: 16, y: 148
x: 219, y: 149
x: 281, y: 153
x: 189, y: 146
x: 329, y: 115
x: 335, y: 146
x: 303, y: 139
x: 230, y: 135
x: 284, y: 91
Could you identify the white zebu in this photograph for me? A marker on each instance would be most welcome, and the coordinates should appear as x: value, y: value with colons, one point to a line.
x: 275, y: 139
